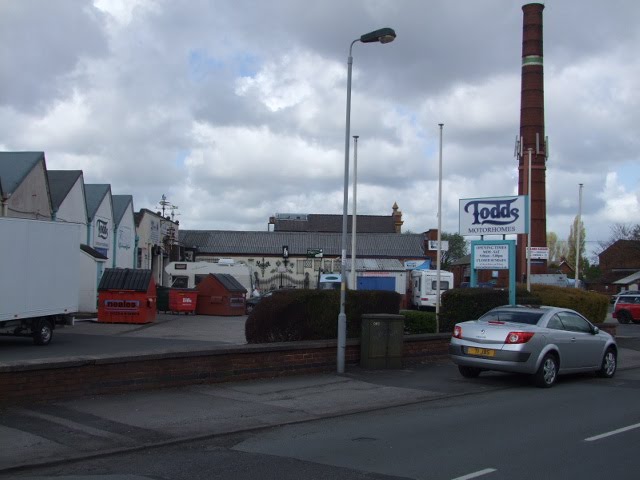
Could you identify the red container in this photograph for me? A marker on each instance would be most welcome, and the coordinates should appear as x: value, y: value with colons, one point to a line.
x: 182, y: 300
x: 126, y: 296
x: 220, y: 294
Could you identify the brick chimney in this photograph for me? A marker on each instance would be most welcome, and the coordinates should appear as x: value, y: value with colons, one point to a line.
x: 397, y: 218
x: 532, y: 136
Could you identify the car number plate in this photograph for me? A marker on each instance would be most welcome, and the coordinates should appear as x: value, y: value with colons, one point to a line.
x: 485, y: 352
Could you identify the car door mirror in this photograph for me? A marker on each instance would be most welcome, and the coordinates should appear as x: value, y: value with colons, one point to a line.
x: 596, y: 330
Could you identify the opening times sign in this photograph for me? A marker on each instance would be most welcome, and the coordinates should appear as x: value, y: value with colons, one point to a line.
x: 491, y: 257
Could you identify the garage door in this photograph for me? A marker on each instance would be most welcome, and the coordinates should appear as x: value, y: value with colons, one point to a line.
x: 377, y: 283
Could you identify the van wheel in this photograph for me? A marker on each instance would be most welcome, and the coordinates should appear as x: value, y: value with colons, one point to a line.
x: 43, y: 333
x: 623, y: 316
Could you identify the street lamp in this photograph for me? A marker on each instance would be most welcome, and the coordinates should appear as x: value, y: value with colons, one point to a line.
x: 439, y: 254
x: 384, y: 35
x: 354, y: 213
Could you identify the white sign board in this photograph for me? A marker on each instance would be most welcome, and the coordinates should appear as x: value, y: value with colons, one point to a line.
x: 493, y: 216
x: 538, y: 253
x: 491, y: 257
x: 433, y: 245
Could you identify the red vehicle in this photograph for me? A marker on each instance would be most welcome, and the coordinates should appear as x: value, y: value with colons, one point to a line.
x: 627, y: 307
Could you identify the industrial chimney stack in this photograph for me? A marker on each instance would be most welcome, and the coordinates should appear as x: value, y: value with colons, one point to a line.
x: 532, y: 137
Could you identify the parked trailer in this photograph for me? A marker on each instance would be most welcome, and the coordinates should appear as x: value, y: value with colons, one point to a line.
x: 190, y: 274
x: 40, y: 277
x: 424, y: 291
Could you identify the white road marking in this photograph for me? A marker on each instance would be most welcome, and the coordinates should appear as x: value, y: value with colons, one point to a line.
x: 477, y: 474
x: 614, y: 432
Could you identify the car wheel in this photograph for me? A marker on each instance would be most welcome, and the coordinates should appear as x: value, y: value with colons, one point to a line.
x: 469, y: 372
x: 547, y: 374
x: 609, y: 364
x: 43, y: 333
x: 623, y: 316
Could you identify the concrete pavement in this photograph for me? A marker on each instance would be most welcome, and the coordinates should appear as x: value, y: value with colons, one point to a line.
x: 99, y: 425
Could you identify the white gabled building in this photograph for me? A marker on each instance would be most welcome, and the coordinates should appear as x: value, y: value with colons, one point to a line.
x: 99, y: 218
x: 24, y: 188
x: 124, y: 238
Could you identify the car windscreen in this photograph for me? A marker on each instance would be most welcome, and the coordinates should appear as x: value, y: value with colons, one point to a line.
x: 528, y: 317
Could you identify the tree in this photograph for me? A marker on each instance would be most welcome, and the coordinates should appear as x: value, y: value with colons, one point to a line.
x: 458, y: 248
x: 571, y: 256
x: 621, y: 231
x: 558, y: 249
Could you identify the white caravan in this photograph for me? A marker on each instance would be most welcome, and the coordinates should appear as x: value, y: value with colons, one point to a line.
x: 190, y: 274
x: 424, y: 287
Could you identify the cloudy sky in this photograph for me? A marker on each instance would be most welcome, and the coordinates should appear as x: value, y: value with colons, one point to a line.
x: 235, y: 109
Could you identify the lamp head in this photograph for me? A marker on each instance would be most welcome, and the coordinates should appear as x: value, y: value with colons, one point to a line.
x: 384, y: 35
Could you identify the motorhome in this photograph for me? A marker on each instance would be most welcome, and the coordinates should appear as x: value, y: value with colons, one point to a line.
x: 424, y: 284
x: 190, y: 274
x: 330, y: 281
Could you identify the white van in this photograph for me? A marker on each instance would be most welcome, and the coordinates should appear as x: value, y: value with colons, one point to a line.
x: 424, y: 285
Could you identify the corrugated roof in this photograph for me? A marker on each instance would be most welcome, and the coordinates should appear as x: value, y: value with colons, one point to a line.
x: 136, y: 280
x: 372, y: 245
x: 229, y: 282
x: 120, y: 204
x: 95, y: 193
x: 333, y: 224
x: 60, y: 184
x: 376, y: 264
x: 14, y: 167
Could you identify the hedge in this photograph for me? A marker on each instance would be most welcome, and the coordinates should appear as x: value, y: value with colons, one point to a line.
x: 462, y: 304
x: 297, y: 315
x: 416, y: 322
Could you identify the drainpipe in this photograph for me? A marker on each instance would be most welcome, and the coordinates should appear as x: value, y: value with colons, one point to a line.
x: 5, y: 204
x: 135, y: 252
x: 115, y: 241
x: 89, y: 226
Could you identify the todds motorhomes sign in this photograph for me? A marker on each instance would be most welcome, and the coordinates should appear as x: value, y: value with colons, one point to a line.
x: 493, y: 216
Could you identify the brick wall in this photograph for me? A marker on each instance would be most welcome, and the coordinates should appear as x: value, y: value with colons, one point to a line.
x: 69, y: 379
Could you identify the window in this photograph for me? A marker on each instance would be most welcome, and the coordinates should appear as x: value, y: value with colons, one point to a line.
x: 574, y: 322
x: 180, y: 282
x: 300, y: 266
x: 528, y: 317
x: 444, y: 285
x: 555, y: 323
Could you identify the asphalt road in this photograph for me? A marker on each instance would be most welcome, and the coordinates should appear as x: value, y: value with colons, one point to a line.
x: 584, y: 428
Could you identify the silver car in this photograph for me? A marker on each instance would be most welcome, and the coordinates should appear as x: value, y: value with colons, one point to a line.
x: 541, y: 341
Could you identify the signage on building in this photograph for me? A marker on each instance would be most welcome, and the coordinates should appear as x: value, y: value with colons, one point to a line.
x: 101, y: 233
x: 433, y: 245
x: 314, y: 252
x: 493, y: 216
x: 491, y: 257
x: 538, y: 253
x: 124, y: 238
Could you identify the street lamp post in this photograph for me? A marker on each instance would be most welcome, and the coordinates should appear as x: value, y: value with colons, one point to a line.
x: 578, y: 229
x: 354, y: 213
x: 439, y: 254
x: 384, y: 35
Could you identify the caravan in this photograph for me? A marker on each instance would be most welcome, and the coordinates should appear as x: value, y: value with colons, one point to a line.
x: 424, y: 285
x: 190, y: 274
